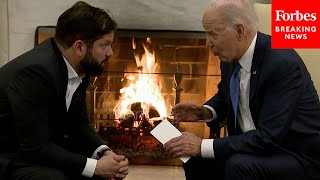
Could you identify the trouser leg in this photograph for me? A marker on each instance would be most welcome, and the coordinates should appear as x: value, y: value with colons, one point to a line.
x: 279, y: 166
x: 197, y: 168
x: 19, y: 170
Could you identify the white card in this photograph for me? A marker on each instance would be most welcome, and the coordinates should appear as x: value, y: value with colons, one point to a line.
x: 166, y: 131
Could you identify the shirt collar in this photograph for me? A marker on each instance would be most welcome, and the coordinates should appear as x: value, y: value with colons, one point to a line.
x: 71, y: 72
x: 246, y: 60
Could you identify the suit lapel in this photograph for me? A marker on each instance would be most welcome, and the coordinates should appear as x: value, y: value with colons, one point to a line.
x: 62, y: 73
x: 227, y: 69
x: 256, y: 61
x: 226, y: 73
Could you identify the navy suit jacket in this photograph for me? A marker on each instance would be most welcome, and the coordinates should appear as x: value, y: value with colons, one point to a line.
x: 283, y: 103
x: 35, y: 125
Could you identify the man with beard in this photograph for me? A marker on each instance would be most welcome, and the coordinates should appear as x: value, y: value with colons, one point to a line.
x: 44, y: 130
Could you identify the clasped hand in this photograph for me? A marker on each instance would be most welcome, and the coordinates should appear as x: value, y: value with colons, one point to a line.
x: 112, y: 166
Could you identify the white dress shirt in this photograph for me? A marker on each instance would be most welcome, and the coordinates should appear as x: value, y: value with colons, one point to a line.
x: 74, y: 80
x: 244, y: 117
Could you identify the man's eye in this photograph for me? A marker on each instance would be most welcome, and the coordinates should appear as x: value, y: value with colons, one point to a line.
x: 213, y: 34
x: 104, y: 45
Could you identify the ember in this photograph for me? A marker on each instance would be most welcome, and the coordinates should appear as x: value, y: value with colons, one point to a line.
x: 141, y: 106
x: 148, y: 92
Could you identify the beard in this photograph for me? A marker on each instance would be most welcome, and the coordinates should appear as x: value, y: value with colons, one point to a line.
x: 91, y: 65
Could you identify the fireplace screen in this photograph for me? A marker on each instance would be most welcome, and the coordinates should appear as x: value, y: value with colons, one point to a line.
x: 149, y: 72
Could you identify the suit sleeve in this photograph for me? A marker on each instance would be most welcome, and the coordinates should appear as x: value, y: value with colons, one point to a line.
x: 219, y: 101
x: 30, y: 94
x: 219, y: 104
x: 279, y: 95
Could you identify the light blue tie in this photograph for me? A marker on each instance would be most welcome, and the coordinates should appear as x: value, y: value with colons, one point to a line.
x: 234, y: 91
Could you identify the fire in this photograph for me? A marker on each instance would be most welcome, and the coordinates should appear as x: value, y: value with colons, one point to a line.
x: 143, y: 87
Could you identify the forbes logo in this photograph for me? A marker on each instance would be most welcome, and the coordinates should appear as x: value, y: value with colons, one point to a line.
x: 295, y: 16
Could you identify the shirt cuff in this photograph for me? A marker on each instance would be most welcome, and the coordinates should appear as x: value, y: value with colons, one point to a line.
x: 95, y: 154
x: 89, y: 168
x: 214, y: 114
x: 207, y: 150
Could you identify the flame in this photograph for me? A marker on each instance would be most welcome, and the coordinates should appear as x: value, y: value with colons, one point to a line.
x: 143, y: 87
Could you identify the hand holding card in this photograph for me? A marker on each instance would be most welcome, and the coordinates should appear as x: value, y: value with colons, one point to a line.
x: 165, y: 131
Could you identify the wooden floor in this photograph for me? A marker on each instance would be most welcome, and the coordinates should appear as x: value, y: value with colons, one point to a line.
x: 147, y: 172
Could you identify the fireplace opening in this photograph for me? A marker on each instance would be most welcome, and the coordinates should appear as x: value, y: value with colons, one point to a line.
x: 149, y: 72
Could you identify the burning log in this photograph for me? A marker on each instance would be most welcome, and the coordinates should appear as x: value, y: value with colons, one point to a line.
x: 127, y: 120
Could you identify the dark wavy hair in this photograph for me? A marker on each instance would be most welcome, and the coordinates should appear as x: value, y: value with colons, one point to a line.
x: 83, y: 22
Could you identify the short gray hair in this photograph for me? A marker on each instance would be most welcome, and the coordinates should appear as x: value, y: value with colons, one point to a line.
x: 237, y: 12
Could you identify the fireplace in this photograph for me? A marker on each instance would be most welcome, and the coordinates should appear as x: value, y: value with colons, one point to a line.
x: 149, y: 72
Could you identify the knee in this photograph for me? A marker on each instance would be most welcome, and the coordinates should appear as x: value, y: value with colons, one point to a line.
x: 191, y: 164
x: 50, y: 174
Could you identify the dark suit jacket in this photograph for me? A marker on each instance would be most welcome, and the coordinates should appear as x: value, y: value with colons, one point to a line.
x: 284, y: 106
x: 34, y: 123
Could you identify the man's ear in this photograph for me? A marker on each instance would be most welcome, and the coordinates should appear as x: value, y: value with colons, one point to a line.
x: 240, y: 31
x: 79, y: 48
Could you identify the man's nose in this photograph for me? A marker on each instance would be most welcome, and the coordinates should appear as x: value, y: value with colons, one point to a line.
x: 109, y: 52
x: 208, y: 41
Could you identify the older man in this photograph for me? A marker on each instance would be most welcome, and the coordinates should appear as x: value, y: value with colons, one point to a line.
x: 269, y: 101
